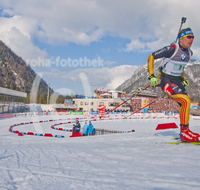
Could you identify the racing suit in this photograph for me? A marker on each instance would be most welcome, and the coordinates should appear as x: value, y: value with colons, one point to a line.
x: 175, y: 58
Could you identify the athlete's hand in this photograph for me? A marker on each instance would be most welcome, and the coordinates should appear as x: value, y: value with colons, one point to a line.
x: 185, y: 82
x: 153, y: 79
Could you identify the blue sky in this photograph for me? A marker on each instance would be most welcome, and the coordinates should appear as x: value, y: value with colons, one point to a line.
x: 121, y: 34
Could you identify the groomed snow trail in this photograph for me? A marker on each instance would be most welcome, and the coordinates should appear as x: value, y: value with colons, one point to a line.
x: 137, y: 160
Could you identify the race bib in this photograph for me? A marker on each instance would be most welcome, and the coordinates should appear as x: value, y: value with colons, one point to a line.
x: 178, y: 67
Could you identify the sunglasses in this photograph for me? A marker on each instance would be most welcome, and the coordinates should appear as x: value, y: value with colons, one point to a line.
x: 190, y: 37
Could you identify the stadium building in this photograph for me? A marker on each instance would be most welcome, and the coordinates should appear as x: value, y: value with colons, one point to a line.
x: 11, y: 101
x: 92, y: 104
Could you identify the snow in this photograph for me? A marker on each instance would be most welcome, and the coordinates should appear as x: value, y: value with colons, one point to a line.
x: 136, y: 160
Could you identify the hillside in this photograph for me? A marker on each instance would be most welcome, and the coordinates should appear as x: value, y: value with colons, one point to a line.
x: 17, y: 75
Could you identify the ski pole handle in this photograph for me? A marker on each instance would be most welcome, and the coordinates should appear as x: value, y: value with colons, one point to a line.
x: 183, y: 20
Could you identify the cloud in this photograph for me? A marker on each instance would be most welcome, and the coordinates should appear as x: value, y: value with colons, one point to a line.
x: 145, y: 23
x: 64, y: 91
x: 196, y: 52
x: 119, y: 74
x: 108, y: 63
x: 134, y: 45
x: 17, y: 33
x: 109, y: 78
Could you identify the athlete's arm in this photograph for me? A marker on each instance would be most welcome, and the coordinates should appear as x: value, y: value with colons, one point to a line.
x: 166, y: 52
x: 151, y: 64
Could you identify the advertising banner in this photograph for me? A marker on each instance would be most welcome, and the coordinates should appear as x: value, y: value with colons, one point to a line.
x: 7, y: 115
x: 144, y: 102
x: 194, y: 105
x: 76, y: 113
x: 101, y: 110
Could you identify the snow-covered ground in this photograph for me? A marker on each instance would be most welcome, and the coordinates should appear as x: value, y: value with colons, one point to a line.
x: 136, y: 160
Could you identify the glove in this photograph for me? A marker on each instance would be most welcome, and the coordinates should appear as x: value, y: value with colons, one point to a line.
x: 153, y: 79
x: 185, y: 82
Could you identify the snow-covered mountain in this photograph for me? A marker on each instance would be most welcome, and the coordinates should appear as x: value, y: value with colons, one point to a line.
x: 140, y: 79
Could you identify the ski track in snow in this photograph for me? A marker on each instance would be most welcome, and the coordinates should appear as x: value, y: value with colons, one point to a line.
x: 137, y: 160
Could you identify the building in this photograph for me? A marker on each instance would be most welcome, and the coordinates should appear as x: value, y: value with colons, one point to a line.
x: 67, y: 106
x: 11, y: 101
x: 92, y: 104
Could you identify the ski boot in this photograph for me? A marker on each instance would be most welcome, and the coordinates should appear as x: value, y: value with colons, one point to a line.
x: 192, y: 133
x: 188, y: 136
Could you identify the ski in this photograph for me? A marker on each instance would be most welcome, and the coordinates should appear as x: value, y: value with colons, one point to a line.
x: 177, y: 143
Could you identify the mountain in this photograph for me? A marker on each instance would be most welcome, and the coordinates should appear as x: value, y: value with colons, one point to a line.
x: 140, y: 79
x: 17, y: 75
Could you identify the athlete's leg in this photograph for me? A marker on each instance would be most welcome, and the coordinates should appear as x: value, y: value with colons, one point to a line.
x: 184, y: 113
x: 174, y: 88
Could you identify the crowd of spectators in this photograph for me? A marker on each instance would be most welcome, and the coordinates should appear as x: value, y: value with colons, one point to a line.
x: 135, y: 104
x: 162, y: 105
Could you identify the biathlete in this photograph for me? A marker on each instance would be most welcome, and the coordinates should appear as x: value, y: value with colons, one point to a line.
x: 175, y: 58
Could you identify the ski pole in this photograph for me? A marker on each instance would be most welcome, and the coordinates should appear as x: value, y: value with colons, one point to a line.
x: 183, y: 20
x: 147, y: 105
x: 129, y: 99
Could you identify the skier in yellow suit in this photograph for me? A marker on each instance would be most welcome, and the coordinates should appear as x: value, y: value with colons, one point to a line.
x: 175, y: 58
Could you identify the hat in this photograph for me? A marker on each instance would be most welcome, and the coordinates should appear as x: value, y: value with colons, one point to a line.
x: 185, y: 32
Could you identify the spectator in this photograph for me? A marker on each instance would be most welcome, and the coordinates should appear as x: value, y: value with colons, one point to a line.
x: 91, y: 130
x: 85, y: 129
x: 77, y: 127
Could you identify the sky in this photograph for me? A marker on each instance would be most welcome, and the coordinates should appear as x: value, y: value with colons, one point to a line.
x: 95, y: 42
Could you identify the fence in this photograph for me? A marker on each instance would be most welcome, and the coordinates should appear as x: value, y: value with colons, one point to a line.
x: 106, y: 131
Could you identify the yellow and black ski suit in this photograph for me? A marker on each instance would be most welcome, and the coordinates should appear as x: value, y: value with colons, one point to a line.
x: 175, y: 58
